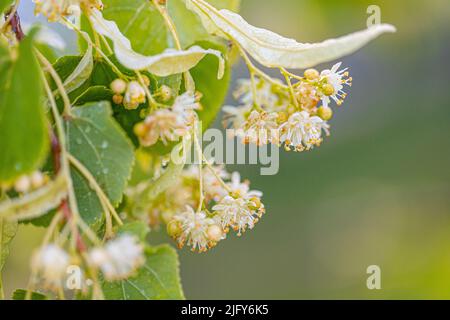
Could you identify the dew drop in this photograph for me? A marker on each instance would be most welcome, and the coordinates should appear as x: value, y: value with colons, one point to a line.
x: 104, y: 144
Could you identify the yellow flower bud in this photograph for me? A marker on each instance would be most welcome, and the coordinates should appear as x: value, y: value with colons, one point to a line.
x: 165, y: 93
x: 326, y: 113
x: 117, y: 99
x: 311, y: 74
x: 140, y: 129
x: 174, y: 228
x: 328, y: 89
x: 118, y: 86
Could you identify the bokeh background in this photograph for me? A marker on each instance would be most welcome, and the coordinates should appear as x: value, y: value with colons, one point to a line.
x: 377, y: 192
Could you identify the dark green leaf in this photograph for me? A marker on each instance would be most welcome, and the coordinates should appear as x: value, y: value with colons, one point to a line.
x: 20, y: 294
x: 98, y: 142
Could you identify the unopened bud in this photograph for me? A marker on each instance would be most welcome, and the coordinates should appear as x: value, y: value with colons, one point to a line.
x: 311, y: 74
x: 37, y: 180
x: 22, y: 184
x: 139, y: 129
x: 118, y: 86
x: 214, y: 233
x: 117, y: 99
x: 174, y: 228
x: 326, y: 113
x: 165, y: 93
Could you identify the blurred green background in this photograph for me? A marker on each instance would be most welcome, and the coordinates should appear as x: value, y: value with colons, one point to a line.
x: 377, y: 192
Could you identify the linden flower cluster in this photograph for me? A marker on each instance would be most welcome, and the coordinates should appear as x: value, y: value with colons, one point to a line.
x: 130, y: 94
x: 294, y: 115
x: 117, y: 259
x: 224, y: 202
x: 55, y: 10
x: 170, y: 123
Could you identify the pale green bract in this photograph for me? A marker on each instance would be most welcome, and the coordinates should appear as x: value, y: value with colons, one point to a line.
x: 165, y: 64
x: 83, y: 70
x: 35, y: 203
x: 273, y: 50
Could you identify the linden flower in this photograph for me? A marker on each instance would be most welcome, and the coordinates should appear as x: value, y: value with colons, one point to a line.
x: 266, y: 96
x: 212, y: 187
x: 195, y: 229
x: 54, y: 10
x: 50, y: 263
x: 307, y: 95
x: 238, y: 212
x: 260, y: 128
x: 236, y: 116
x: 119, y: 258
x: 165, y: 125
x: 242, y: 189
x: 334, y: 86
x: 134, y: 96
x: 185, y: 105
x: 302, y: 131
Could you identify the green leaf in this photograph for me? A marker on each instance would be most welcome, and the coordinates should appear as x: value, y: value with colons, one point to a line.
x: 20, y: 294
x: 22, y: 116
x: 94, y: 94
x: 214, y: 91
x: 4, y: 4
x: 99, y: 143
x: 141, y: 23
x: 158, y: 279
x: 138, y: 228
x: 8, y: 230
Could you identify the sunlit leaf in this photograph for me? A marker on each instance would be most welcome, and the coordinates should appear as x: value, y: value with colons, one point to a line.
x: 4, y: 4
x: 22, y: 117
